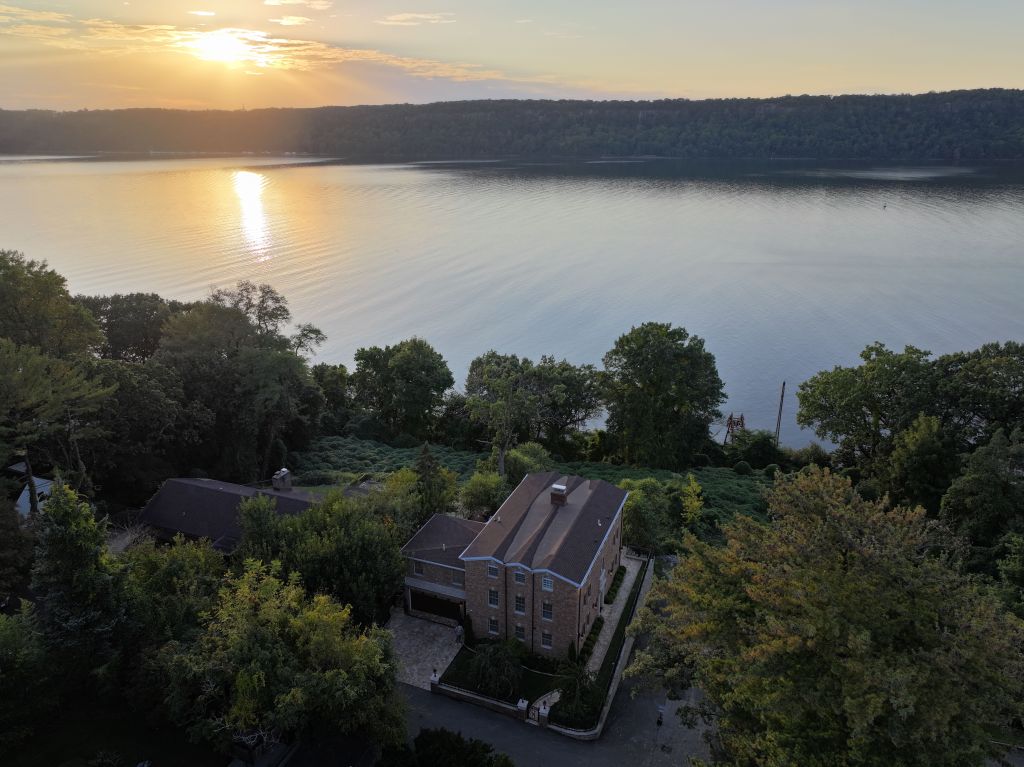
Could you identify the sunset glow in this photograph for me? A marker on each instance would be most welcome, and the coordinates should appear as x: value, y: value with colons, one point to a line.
x: 226, y: 45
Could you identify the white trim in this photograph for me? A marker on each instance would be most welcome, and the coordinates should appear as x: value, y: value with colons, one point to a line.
x: 435, y: 588
x: 436, y: 564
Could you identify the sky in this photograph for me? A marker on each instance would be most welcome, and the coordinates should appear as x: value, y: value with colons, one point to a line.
x: 234, y: 54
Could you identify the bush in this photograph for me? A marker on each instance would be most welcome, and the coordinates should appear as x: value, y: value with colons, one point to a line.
x: 497, y: 670
x: 700, y: 460
x: 771, y: 470
x: 868, y: 490
x: 613, y: 590
x: 742, y: 468
x: 588, y: 644
x: 485, y: 491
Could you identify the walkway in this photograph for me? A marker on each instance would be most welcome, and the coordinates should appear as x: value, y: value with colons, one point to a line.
x: 612, y: 613
x: 420, y: 647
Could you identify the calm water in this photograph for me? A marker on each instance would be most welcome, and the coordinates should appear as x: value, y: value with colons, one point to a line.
x: 783, y: 270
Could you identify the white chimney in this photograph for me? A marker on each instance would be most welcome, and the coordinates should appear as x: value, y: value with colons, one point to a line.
x: 559, y: 496
x: 282, y: 480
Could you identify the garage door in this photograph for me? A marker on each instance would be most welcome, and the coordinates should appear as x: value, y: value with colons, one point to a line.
x: 428, y: 603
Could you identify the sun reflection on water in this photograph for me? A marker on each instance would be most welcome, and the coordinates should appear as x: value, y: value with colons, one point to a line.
x: 249, y: 188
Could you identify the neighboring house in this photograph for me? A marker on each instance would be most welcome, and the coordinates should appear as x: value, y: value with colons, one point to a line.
x: 537, y: 571
x: 208, y: 508
x: 44, y: 489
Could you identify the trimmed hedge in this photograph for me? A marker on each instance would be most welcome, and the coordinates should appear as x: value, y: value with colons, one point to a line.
x: 588, y: 644
x: 613, y: 590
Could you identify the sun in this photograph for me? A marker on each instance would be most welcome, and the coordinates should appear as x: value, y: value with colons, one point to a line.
x: 230, y: 46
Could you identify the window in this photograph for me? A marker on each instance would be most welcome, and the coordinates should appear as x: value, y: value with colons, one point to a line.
x: 545, y: 640
x: 520, y: 576
x: 520, y: 604
x: 417, y: 567
x: 520, y: 633
x: 458, y: 578
x: 492, y: 597
x: 492, y: 571
x: 547, y: 611
x: 492, y: 626
x: 548, y: 584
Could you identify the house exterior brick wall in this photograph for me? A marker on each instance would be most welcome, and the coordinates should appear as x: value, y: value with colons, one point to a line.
x: 433, y: 573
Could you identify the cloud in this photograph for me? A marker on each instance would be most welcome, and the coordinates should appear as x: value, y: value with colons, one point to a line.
x: 202, y: 13
x: 524, y: 21
x: 415, y: 19
x: 27, y: 14
x: 563, y: 35
x: 316, y: 5
x: 291, y: 21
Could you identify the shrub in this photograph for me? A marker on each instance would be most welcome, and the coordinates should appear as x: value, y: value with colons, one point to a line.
x: 700, y: 460
x: 588, y: 644
x: 613, y: 590
x: 497, y: 668
x: 742, y: 468
x: 484, y: 491
x: 868, y: 490
x: 771, y: 470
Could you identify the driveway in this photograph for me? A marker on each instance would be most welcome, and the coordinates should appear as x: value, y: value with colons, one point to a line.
x: 631, y: 735
x: 420, y: 647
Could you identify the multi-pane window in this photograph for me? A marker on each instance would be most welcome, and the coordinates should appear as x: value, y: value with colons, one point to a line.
x: 520, y: 604
x: 545, y: 640
x: 492, y: 571
x: 547, y: 611
x: 492, y: 626
x: 417, y: 567
x: 458, y: 578
x: 492, y: 597
x: 548, y: 584
x: 520, y: 632
x: 520, y: 576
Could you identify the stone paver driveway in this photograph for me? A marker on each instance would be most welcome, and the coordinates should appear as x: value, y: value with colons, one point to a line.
x: 420, y: 647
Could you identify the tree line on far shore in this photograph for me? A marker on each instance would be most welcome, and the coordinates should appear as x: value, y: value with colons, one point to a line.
x: 958, y: 125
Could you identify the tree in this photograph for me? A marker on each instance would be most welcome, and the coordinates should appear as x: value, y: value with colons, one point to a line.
x: 43, y: 402
x: 647, y: 515
x: 37, y: 310
x: 987, y: 500
x: 403, y: 385
x: 756, y: 447
x: 267, y: 311
x: 497, y: 668
x: 24, y: 677
x: 344, y: 547
x: 578, y: 691
x: 131, y: 323
x: 501, y: 397
x: 15, y: 549
x: 78, y: 592
x: 863, y: 408
x: 842, y: 633
x: 435, y: 485
x: 335, y: 383
x: 569, y: 397
x: 1011, y: 573
x: 922, y: 465
x: 444, y: 747
x: 693, y: 501
x: 484, y: 492
x: 662, y: 391
x: 271, y: 663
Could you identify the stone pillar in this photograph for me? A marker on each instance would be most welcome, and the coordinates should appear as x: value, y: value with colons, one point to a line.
x: 524, y: 709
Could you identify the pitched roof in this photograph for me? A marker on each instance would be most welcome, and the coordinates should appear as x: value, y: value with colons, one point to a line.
x: 208, y: 508
x: 442, y: 539
x: 530, y: 530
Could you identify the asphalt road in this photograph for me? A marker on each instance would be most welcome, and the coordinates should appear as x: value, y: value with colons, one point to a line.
x: 631, y: 735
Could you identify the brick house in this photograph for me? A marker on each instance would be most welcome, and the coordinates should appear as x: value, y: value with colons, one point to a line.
x: 537, y: 571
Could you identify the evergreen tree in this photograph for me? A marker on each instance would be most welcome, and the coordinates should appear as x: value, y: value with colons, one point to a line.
x: 922, y: 465
x: 435, y: 492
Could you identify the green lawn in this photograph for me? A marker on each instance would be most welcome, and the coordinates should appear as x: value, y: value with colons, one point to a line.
x: 81, y: 729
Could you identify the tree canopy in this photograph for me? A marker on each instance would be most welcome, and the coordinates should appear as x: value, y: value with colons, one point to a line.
x: 842, y: 633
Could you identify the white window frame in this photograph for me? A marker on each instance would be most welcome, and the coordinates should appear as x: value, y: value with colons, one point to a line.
x: 547, y: 583
x: 492, y: 570
x: 520, y: 599
x: 520, y: 630
x: 549, y: 608
x: 492, y: 625
x: 520, y: 577
x: 546, y: 640
x: 493, y: 599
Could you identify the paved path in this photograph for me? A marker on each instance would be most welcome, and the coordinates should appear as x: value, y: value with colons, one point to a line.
x: 612, y: 613
x: 631, y: 736
x: 420, y: 647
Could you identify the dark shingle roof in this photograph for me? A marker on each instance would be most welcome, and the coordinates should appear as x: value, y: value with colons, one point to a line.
x: 530, y: 530
x: 442, y: 539
x: 208, y: 508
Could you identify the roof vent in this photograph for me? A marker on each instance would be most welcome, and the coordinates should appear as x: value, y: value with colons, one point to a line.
x: 282, y: 480
x: 559, y: 496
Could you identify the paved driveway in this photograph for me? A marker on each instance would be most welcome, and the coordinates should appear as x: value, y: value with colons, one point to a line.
x: 421, y: 646
x: 631, y: 736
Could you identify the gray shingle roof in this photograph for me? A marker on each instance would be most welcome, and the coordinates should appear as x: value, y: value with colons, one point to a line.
x: 208, y: 508
x: 530, y: 530
x: 442, y: 539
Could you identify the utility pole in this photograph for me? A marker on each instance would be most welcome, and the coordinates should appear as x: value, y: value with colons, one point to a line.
x: 778, y: 421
